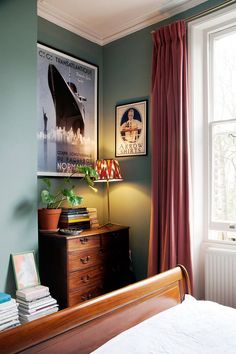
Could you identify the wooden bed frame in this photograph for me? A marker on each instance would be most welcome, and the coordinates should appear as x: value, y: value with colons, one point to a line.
x: 85, y: 327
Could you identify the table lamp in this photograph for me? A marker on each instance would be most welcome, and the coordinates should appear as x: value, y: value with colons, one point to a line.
x: 108, y: 170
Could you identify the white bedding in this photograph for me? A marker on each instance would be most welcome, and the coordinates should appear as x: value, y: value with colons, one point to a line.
x: 193, y: 327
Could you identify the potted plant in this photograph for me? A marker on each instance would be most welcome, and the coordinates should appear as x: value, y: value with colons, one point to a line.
x: 48, y: 217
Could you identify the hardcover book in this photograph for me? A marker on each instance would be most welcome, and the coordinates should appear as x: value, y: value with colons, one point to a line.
x: 4, y: 297
x: 5, y: 306
x: 35, y: 305
x: 28, y: 318
x: 33, y: 293
x: 9, y: 324
x: 30, y: 304
x: 42, y: 309
x: 73, y: 210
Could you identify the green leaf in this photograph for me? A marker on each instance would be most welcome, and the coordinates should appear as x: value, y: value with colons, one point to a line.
x: 47, y: 198
x: 47, y: 182
x: 93, y: 173
x: 75, y: 200
x: 89, y: 181
x: 87, y: 171
x: 68, y: 192
x: 67, y: 180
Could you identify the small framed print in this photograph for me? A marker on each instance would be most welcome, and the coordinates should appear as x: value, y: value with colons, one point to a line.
x: 25, y: 270
x: 131, y: 129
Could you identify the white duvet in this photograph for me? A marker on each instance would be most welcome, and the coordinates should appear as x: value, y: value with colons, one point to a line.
x: 193, y: 327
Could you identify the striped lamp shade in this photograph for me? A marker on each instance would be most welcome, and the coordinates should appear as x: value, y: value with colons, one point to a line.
x: 108, y: 170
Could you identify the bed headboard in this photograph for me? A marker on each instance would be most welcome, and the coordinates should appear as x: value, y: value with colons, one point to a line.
x: 85, y: 327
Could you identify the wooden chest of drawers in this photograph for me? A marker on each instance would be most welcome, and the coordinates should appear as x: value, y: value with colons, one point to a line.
x: 78, y: 268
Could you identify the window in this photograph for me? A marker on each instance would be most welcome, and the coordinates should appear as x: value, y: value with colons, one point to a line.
x: 222, y: 133
x: 212, y: 80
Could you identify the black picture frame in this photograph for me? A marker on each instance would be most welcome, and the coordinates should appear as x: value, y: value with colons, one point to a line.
x: 131, y: 129
x: 67, y: 112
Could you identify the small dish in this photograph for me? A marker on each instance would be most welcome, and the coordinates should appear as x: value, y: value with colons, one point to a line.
x: 71, y: 232
x: 48, y: 231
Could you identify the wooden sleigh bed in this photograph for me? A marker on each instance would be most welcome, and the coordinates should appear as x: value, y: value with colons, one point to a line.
x: 85, y: 327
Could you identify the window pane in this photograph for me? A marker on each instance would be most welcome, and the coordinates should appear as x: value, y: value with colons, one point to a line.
x: 224, y: 76
x: 223, y: 176
x: 222, y: 235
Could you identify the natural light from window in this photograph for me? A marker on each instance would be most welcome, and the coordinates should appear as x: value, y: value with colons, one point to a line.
x: 222, y: 134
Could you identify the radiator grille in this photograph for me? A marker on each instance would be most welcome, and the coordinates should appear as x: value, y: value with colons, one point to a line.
x: 220, y: 276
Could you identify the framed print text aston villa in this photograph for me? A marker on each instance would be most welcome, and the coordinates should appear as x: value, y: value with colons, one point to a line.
x: 67, y: 112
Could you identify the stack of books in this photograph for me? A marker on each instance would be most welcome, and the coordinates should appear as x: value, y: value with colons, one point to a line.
x: 9, y: 316
x: 74, y: 218
x: 93, y: 217
x: 35, y: 302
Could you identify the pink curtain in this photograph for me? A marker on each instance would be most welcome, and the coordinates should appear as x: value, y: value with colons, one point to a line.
x: 170, y: 228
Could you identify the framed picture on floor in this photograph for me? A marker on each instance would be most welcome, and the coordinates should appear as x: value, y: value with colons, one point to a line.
x: 131, y: 129
x: 67, y: 112
x: 25, y: 270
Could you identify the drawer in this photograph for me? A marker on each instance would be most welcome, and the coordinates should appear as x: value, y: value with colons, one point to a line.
x: 78, y: 260
x: 84, y: 243
x: 85, y: 277
x: 115, y: 240
x: 86, y: 293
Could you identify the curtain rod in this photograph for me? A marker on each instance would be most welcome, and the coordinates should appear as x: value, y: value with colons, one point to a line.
x: 208, y: 11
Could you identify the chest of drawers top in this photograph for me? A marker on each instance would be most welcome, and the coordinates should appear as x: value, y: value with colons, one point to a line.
x: 92, y: 238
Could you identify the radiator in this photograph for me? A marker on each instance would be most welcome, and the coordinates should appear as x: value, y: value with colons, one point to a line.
x: 220, y: 276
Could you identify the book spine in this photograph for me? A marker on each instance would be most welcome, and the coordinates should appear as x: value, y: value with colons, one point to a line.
x: 75, y: 210
x: 72, y: 221
x: 76, y: 215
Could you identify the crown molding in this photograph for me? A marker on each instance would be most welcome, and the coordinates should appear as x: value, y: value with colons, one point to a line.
x: 59, y: 18
x: 76, y: 26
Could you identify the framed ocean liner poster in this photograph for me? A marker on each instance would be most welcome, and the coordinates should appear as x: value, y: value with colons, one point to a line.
x: 67, y: 112
x: 131, y: 129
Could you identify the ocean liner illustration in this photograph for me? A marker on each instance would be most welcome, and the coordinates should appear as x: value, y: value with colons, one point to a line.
x: 69, y: 107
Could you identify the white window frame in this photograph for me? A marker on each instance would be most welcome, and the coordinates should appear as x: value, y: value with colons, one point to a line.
x: 221, y: 31
x: 198, y: 63
x: 229, y: 226
x: 224, y: 29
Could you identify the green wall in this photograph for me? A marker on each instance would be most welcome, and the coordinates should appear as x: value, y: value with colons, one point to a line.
x: 18, y: 220
x: 127, y: 71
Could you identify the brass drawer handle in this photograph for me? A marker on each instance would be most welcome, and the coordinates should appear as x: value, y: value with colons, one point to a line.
x: 83, y: 240
x: 85, y: 259
x: 86, y: 296
x: 85, y: 278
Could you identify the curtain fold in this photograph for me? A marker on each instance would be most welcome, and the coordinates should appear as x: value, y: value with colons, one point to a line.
x: 170, y: 225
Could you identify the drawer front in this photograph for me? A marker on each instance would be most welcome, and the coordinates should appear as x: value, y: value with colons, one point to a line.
x: 86, y: 294
x: 115, y: 240
x: 84, y: 243
x: 81, y: 260
x: 85, y: 277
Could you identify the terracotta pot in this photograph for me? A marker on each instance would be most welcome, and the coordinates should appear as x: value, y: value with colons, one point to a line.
x: 48, y: 219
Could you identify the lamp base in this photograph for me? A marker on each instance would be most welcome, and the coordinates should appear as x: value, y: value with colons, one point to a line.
x: 108, y: 224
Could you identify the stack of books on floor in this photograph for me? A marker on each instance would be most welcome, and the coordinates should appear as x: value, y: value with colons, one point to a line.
x: 35, y: 302
x: 9, y: 316
x: 74, y: 218
x: 93, y: 217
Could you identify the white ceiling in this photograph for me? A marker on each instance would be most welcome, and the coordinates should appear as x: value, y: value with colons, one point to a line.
x: 103, y: 21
